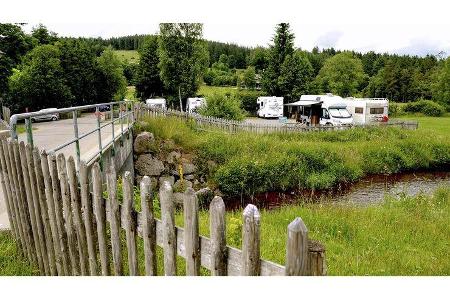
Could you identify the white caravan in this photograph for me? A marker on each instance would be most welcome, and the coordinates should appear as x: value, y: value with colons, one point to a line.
x: 159, y: 103
x: 193, y: 104
x: 270, y: 107
x: 368, y: 110
x: 326, y: 109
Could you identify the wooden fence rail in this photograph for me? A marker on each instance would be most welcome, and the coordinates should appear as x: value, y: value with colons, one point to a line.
x: 66, y: 225
x: 238, y: 126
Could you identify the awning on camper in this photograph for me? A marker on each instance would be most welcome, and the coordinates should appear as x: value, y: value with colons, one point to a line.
x: 304, y: 103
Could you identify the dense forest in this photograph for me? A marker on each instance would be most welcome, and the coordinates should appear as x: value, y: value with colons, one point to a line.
x: 277, y: 69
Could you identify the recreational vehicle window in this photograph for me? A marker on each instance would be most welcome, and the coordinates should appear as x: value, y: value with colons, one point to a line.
x: 325, y: 114
x: 376, y: 110
x: 339, y: 113
x: 359, y: 110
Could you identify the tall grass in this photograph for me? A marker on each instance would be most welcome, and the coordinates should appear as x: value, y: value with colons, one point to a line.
x: 247, y: 163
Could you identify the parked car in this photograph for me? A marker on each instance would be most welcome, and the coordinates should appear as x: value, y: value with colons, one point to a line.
x: 50, y: 115
x: 104, y: 108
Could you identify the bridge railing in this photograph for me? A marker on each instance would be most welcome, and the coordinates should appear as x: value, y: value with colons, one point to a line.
x: 125, y: 118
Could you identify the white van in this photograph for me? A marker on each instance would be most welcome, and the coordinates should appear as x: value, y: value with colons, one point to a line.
x: 193, y: 104
x: 270, y: 107
x: 158, y: 103
x: 368, y: 110
x: 313, y: 110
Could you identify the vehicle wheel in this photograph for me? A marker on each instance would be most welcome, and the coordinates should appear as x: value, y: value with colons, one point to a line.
x: 329, y: 124
x: 54, y: 118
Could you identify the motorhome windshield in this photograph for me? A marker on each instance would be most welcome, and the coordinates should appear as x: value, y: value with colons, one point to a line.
x: 339, y: 113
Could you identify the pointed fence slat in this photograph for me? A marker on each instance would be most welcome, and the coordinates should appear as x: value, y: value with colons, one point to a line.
x: 100, y: 216
x: 114, y: 219
x: 51, y: 212
x: 297, y: 248
x: 148, y: 227
x: 218, y: 237
x: 168, y: 229
x: 41, y: 168
x: 69, y: 223
x: 191, y: 235
x: 130, y: 223
x: 251, y: 241
x: 36, y: 206
x: 57, y: 214
x: 88, y: 215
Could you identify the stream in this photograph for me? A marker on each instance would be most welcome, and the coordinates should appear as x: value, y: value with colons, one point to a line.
x: 369, y: 190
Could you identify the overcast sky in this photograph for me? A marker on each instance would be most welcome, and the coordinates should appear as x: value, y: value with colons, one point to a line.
x: 410, y: 27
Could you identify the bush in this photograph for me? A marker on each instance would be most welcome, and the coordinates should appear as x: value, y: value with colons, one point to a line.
x: 394, y: 109
x: 248, y: 100
x: 427, y: 107
x: 223, y: 106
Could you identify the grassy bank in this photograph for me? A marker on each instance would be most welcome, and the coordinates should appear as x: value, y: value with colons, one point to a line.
x: 247, y: 163
x: 405, y: 236
x: 132, y: 56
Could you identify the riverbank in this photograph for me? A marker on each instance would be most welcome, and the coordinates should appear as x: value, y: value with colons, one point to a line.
x: 247, y: 164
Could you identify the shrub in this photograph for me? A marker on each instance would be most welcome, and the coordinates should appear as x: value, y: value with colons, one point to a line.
x: 223, y: 106
x: 248, y: 100
x: 427, y: 107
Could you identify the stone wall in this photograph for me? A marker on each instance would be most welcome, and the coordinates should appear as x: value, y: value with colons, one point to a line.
x: 163, y: 161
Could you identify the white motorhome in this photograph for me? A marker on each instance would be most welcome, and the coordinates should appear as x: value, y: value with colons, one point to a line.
x: 326, y: 109
x: 270, y: 107
x: 368, y: 110
x: 159, y: 103
x: 193, y: 104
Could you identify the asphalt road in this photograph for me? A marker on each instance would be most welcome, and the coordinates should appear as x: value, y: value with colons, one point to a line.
x: 49, y: 135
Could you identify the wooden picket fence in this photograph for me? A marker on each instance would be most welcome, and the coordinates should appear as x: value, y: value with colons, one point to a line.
x: 65, y: 224
x: 239, y: 126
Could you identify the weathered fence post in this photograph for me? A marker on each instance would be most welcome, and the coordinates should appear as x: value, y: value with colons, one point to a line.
x: 191, y: 233
x: 100, y: 214
x: 57, y: 215
x: 114, y: 213
x: 41, y: 167
x: 148, y: 227
x: 130, y: 223
x: 250, y: 242
x: 297, y: 249
x: 30, y: 205
x: 68, y: 217
x: 218, y: 237
x: 37, y: 209
x: 86, y: 201
x: 45, y: 160
x: 168, y: 229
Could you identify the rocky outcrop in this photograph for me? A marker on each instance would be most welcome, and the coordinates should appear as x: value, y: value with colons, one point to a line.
x: 148, y: 165
x: 144, y: 143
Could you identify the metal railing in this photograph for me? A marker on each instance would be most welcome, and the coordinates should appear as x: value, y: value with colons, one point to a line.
x: 125, y: 110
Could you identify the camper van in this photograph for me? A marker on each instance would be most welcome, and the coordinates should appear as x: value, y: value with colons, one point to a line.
x: 158, y: 103
x: 270, y: 107
x: 193, y: 104
x: 313, y: 110
x: 368, y: 110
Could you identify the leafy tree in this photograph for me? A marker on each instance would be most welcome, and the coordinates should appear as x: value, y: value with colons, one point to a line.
x: 78, y: 60
x: 111, y: 84
x: 43, y: 36
x: 282, y: 47
x: 14, y: 43
x: 248, y: 78
x: 223, y: 106
x: 183, y: 58
x: 224, y: 60
x: 341, y: 74
x: 39, y: 81
x: 148, y: 81
x: 295, y: 75
x: 259, y: 58
x: 441, y: 84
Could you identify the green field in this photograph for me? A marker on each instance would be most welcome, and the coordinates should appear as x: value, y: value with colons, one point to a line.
x: 405, y: 236
x: 206, y: 90
x: 132, y: 56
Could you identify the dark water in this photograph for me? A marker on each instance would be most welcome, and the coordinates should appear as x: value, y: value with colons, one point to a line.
x: 369, y: 190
